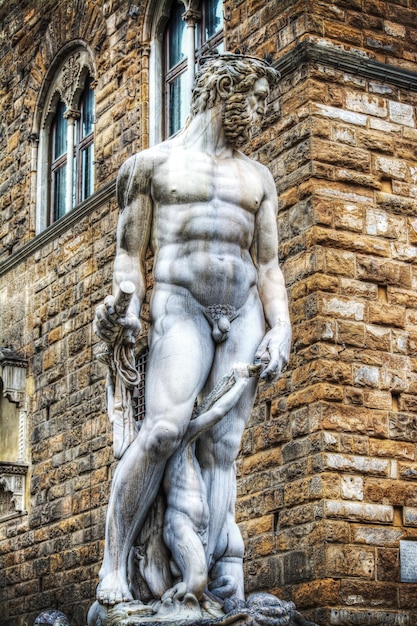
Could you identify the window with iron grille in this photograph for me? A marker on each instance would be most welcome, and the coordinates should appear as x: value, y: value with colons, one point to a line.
x: 138, y: 398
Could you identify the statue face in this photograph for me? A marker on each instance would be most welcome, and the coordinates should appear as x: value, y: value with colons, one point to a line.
x: 243, y: 111
x: 256, y: 99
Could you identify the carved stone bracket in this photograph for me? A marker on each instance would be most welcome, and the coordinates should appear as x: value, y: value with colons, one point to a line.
x: 12, y: 488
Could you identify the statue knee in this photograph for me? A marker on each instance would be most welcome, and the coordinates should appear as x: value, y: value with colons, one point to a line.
x: 162, y: 440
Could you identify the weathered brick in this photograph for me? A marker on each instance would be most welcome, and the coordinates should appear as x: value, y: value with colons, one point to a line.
x: 351, y: 560
x: 359, y: 512
x: 383, y: 271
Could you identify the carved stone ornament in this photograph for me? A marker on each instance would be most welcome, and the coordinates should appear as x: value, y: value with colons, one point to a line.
x: 68, y: 79
x: 12, y: 488
x: 13, y: 372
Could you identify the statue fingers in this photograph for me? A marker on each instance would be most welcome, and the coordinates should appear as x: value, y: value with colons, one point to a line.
x: 271, y: 372
x: 105, y: 333
x: 109, y: 304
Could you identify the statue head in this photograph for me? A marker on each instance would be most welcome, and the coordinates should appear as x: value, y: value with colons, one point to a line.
x: 228, y: 79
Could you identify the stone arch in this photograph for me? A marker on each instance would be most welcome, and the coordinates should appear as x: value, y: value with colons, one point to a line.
x: 64, y: 79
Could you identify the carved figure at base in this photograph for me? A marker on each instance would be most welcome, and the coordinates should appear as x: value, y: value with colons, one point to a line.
x: 208, y: 213
x: 187, y: 515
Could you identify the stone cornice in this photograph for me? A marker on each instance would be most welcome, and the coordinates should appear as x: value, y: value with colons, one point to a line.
x: 350, y: 62
x: 9, y: 468
x: 57, y: 229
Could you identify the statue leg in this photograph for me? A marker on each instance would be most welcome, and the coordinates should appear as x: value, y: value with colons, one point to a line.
x: 179, y: 361
x: 218, y: 448
x: 227, y: 573
x: 187, y: 550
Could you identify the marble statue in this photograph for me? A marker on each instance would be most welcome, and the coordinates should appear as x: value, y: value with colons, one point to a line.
x: 219, y: 323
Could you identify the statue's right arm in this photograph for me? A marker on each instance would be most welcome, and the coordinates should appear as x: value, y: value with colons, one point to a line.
x: 133, y: 232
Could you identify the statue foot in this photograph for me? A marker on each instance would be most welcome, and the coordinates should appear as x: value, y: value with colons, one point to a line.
x: 177, y: 603
x: 177, y: 592
x: 113, y: 588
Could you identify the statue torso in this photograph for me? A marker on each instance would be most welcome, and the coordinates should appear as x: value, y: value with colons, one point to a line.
x: 204, y: 212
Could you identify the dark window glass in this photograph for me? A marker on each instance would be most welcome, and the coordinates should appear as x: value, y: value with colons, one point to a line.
x: 84, y: 150
x: 88, y: 111
x: 87, y: 172
x: 213, y: 18
x: 59, y: 132
x: 178, y: 109
x: 59, y: 191
x: 177, y: 36
x: 58, y: 163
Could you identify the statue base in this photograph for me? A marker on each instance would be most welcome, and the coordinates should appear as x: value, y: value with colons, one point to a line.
x: 260, y: 609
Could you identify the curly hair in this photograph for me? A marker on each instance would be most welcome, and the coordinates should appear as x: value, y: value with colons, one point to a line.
x: 226, y: 74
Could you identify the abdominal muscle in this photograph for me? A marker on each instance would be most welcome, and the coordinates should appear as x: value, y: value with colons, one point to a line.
x: 209, y: 277
x: 206, y: 253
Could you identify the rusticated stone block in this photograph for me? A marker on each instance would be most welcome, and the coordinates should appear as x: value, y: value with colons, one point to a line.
x: 396, y: 204
x: 410, y: 516
x: 297, y: 566
x: 261, y: 460
x: 296, y: 516
x: 360, y: 594
x: 352, y: 487
x: 393, y: 492
x: 314, y: 393
x: 386, y: 314
x: 325, y: 592
x: 359, y: 512
x: 388, y: 564
x: 403, y: 426
x: 353, y: 463
x: 349, y: 560
x: 383, y: 271
x: 322, y: 370
x: 376, y: 536
x: 407, y: 598
x: 272, y: 432
x: 351, y: 333
x: 308, y: 489
x: 392, y: 449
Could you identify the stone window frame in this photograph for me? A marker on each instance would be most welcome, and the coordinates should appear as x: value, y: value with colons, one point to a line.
x: 64, y: 81
x: 13, y: 474
x: 156, y: 20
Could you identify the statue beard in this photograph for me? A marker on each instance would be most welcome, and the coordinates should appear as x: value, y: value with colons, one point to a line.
x: 238, y: 121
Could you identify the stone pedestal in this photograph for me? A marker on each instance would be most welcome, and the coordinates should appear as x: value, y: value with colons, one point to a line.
x: 260, y: 609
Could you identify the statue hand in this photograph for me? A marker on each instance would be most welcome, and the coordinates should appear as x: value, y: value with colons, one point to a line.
x: 110, y: 326
x: 274, y: 351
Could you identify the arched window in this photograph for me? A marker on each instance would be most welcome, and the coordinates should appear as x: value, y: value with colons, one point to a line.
x: 180, y: 32
x: 64, y: 125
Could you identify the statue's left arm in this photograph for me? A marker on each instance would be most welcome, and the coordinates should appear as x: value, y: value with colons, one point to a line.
x: 274, y: 350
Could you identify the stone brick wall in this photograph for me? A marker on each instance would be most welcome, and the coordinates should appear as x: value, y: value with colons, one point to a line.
x: 327, y: 473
